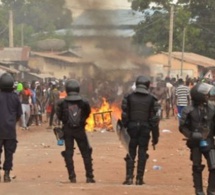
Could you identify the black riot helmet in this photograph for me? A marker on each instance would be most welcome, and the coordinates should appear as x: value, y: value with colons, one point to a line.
x: 6, y: 82
x: 142, y: 84
x: 196, y: 96
x: 72, y: 86
x: 142, y: 80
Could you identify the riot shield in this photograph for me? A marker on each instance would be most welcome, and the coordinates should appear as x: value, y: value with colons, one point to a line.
x: 205, y: 88
x: 123, y: 135
x: 58, y: 133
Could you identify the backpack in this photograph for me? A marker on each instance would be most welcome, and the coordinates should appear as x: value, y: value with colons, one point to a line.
x: 74, y: 115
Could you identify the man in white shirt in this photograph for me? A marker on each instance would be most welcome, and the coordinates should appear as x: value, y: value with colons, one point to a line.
x: 182, y: 95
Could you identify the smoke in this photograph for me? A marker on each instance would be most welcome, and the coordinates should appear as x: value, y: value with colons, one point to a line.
x: 103, y: 4
x: 109, y: 49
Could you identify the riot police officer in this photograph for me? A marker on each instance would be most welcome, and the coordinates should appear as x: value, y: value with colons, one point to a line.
x: 10, y: 113
x: 197, y: 124
x: 140, y: 117
x: 73, y: 111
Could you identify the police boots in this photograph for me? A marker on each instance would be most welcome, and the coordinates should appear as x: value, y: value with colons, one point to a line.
x: 89, y: 170
x: 129, y: 171
x: 140, y: 172
x: 7, y: 176
x: 211, y: 183
x: 72, y: 178
x: 90, y: 180
x: 197, y: 179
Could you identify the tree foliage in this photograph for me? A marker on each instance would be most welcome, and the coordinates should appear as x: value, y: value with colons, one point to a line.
x: 3, y: 27
x: 198, y: 17
x: 38, y: 17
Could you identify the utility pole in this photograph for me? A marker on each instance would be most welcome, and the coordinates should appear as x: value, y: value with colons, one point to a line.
x: 11, y: 43
x: 170, y: 39
x: 22, y: 34
x: 182, y: 53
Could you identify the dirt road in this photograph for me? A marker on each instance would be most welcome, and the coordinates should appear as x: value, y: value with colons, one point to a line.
x: 40, y: 170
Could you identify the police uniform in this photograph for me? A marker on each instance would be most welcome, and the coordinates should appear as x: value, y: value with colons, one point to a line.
x: 140, y: 116
x: 197, y: 124
x: 75, y: 132
x: 10, y: 113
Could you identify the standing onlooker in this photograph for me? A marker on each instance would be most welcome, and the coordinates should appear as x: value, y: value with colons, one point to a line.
x: 73, y: 111
x: 19, y: 87
x: 182, y: 96
x: 140, y: 117
x: 160, y: 92
x: 25, y: 96
x: 169, y: 97
x: 10, y: 113
x: 34, y: 106
x: 53, y: 98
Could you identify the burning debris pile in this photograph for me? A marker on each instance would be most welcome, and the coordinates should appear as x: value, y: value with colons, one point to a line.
x: 103, y: 117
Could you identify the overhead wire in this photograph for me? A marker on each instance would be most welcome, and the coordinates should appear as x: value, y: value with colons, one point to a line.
x: 208, y: 30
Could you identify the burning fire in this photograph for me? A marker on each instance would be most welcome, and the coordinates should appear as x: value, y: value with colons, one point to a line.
x: 101, y: 118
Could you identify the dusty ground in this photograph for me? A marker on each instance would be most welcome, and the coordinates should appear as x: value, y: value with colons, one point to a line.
x: 39, y: 167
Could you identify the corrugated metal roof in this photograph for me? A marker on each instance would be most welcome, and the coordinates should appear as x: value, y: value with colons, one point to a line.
x: 42, y: 75
x: 194, y: 58
x: 106, y: 32
x: 62, y: 58
x: 70, y: 53
x: 14, y: 54
x: 10, y: 70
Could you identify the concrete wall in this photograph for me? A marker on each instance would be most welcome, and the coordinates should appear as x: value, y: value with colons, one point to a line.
x: 159, y: 64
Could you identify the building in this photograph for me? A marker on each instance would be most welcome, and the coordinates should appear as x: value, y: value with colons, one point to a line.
x: 62, y: 64
x: 15, y: 60
x: 191, y: 64
x: 15, y: 57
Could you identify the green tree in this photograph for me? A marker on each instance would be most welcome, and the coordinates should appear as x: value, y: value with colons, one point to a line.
x: 38, y: 17
x: 203, y: 12
x: 197, y: 17
x: 40, y: 13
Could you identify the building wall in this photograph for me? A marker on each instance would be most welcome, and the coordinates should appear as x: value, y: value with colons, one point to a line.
x: 59, y: 68
x: 159, y: 62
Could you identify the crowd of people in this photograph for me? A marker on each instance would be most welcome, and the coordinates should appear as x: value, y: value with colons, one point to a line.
x: 39, y: 98
x: 173, y: 95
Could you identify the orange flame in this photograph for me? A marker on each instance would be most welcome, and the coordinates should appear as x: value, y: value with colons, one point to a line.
x: 101, y: 118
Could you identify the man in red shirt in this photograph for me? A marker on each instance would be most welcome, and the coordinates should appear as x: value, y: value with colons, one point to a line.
x: 25, y: 97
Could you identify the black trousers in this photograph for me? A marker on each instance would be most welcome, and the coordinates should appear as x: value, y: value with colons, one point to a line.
x: 9, y: 148
x: 196, y: 156
x: 140, y: 136
x: 78, y: 135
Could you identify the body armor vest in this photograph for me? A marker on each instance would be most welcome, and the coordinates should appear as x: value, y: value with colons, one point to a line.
x: 201, y: 120
x: 140, y: 107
